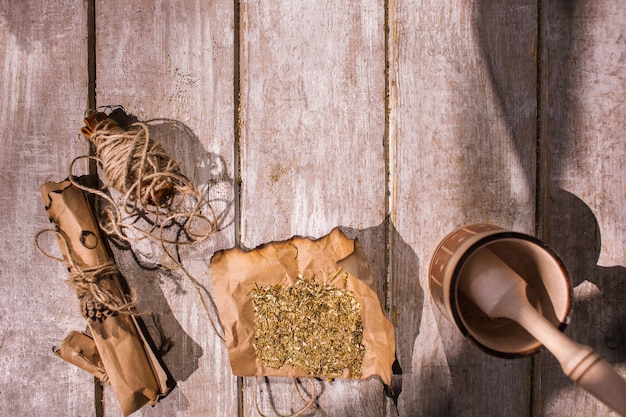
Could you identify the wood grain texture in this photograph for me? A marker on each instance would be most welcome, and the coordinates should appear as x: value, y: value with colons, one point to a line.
x: 43, y: 92
x: 312, y: 150
x: 171, y: 63
x: 462, y: 151
x: 583, y: 159
x: 397, y: 120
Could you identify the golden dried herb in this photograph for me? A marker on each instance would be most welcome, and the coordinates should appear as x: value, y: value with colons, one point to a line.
x: 309, y: 325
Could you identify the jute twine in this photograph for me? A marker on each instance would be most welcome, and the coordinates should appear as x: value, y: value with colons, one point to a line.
x: 151, y: 184
x: 87, y: 281
x: 309, y: 403
x: 152, y: 187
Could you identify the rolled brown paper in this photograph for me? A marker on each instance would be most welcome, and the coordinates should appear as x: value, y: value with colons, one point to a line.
x: 133, y: 371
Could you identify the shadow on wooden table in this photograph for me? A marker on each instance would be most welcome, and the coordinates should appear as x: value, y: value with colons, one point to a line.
x: 206, y: 170
x: 527, y: 50
x: 575, y: 236
x: 407, y: 295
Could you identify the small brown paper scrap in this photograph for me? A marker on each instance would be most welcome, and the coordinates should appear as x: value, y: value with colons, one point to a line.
x: 234, y: 272
x: 79, y: 349
x: 131, y: 367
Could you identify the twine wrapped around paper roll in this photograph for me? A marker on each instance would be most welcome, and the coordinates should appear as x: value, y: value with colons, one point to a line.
x: 130, y: 366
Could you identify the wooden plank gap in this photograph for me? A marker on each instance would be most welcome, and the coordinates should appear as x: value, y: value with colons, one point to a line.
x: 390, y: 129
x: 98, y: 392
x: 240, y: 397
x: 237, y: 132
x: 91, y: 54
x: 535, y: 399
x: 541, y: 179
x: 541, y: 187
x: 391, y: 63
x: 238, y: 120
x: 389, y: 92
x: 92, y: 167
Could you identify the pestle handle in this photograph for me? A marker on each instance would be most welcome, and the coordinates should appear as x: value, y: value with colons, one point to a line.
x: 501, y: 292
x: 598, y: 377
x: 579, y: 362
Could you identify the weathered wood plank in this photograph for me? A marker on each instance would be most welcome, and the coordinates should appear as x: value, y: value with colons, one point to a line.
x: 462, y: 150
x: 174, y: 61
x: 312, y: 150
x: 43, y: 94
x: 583, y: 158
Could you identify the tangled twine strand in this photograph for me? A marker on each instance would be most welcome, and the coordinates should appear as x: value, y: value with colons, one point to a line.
x: 309, y: 403
x: 149, y: 180
x: 151, y: 185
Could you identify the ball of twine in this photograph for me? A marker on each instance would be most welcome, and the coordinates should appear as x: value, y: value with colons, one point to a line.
x: 137, y: 165
x: 152, y: 188
x: 149, y: 180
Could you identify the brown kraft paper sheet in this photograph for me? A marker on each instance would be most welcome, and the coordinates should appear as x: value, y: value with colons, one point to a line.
x: 234, y: 272
x: 130, y: 366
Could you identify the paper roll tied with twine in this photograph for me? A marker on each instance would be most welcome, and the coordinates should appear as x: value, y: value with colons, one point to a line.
x: 130, y: 365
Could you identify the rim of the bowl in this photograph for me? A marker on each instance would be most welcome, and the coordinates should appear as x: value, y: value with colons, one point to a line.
x: 506, y: 234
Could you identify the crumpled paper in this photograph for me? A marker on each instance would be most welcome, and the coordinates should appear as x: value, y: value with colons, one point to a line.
x: 117, y: 351
x: 234, y: 272
x: 79, y: 349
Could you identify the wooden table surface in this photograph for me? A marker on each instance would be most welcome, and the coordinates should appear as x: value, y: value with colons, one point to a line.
x: 396, y: 120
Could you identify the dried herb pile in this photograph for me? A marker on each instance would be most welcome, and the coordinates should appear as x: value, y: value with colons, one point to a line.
x: 309, y: 325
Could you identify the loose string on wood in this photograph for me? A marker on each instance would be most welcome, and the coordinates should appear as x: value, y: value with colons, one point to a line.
x: 215, y: 323
x: 309, y: 403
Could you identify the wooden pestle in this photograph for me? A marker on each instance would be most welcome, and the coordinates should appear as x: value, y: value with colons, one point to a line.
x: 500, y: 292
